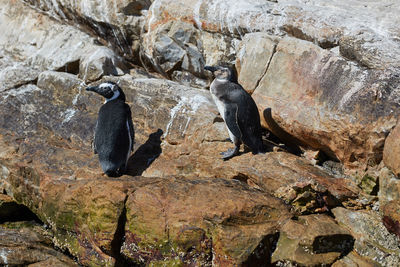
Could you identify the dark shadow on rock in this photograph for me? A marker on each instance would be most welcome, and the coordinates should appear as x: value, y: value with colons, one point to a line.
x: 145, y: 154
x: 279, y: 135
x: 261, y: 256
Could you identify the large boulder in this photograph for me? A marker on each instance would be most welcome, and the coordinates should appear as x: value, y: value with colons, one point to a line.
x: 335, y: 106
x: 117, y: 23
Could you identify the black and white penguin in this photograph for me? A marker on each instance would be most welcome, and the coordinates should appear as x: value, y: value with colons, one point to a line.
x: 238, y: 110
x: 114, y: 133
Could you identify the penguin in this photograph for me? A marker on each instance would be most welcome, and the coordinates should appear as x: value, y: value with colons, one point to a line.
x: 114, y: 133
x: 238, y: 110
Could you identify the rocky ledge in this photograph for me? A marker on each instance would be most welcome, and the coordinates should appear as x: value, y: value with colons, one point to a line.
x: 325, y: 76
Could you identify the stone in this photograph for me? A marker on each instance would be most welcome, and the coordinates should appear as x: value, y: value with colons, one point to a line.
x: 391, y: 151
x: 354, y: 260
x: 371, y: 39
x: 118, y: 23
x: 34, y: 43
x: 253, y: 57
x: 391, y: 216
x: 26, y: 243
x: 389, y: 186
x: 101, y: 62
x: 194, y: 219
x: 372, y: 239
x: 308, y: 188
x: 327, y: 107
x: 312, y: 240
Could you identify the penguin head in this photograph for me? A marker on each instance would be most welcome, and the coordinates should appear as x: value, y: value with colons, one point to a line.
x: 109, y: 90
x: 222, y: 72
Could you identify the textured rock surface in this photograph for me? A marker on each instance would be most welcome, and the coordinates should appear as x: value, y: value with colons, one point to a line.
x: 199, y: 221
x: 312, y: 240
x: 26, y: 244
x: 324, y: 72
x: 391, y: 151
x: 335, y: 106
x: 372, y: 239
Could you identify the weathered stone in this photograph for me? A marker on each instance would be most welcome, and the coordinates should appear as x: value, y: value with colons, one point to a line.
x: 279, y: 173
x: 253, y: 57
x: 312, y: 240
x: 372, y: 239
x: 389, y: 187
x: 391, y: 150
x: 371, y: 38
x: 329, y: 106
x: 118, y: 22
x: 25, y: 244
x: 101, y: 62
x: 178, y: 218
x: 391, y: 216
x: 354, y: 260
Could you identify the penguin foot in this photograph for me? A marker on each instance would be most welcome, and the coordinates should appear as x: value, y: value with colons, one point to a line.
x: 230, y: 153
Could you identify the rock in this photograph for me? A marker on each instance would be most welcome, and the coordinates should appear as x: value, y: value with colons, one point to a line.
x: 328, y: 106
x: 372, y: 239
x: 306, y: 187
x: 391, y: 216
x: 194, y: 219
x: 101, y: 62
x: 392, y: 150
x: 312, y: 240
x: 362, y: 31
x: 179, y: 46
x: 253, y: 58
x: 353, y: 259
x: 118, y: 23
x: 32, y: 43
x: 25, y: 244
x: 389, y: 187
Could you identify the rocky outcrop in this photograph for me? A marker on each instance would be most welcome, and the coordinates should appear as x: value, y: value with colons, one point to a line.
x: 392, y: 150
x: 320, y: 81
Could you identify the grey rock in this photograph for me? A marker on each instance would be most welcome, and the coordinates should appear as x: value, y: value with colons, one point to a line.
x: 373, y: 241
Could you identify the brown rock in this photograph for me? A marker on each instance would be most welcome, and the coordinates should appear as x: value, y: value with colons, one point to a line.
x: 391, y: 216
x: 193, y: 219
x: 312, y: 240
x: 391, y: 151
x: 25, y: 244
x: 329, y: 106
x: 282, y: 174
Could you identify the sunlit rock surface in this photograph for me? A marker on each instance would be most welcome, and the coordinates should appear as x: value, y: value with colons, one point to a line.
x: 324, y: 74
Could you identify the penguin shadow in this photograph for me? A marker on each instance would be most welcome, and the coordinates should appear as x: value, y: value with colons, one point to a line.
x: 278, y: 137
x: 145, y: 154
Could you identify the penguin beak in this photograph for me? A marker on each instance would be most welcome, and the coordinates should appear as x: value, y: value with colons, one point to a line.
x: 91, y: 88
x: 210, y: 68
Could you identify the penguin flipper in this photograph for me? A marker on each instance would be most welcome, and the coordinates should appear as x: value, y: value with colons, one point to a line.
x: 231, y: 119
x: 94, y: 140
x: 130, y: 124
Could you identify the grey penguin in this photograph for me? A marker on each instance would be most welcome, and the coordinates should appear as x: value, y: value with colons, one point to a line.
x: 114, y: 133
x: 238, y: 110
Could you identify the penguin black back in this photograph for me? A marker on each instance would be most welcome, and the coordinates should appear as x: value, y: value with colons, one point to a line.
x: 114, y: 133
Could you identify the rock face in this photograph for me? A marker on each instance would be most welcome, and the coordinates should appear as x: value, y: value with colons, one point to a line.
x: 324, y: 75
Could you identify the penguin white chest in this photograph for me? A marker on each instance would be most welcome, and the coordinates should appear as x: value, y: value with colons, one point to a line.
x: 220, y: 105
